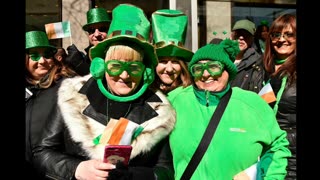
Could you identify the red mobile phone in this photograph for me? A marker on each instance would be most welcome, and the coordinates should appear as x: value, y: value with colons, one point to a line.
x: 115, y: 153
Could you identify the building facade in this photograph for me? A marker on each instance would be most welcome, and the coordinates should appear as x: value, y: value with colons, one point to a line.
x: 207, y: 18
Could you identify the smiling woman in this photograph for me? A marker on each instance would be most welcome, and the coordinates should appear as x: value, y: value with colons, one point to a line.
x: 117, y: 87
x: 43, y: 76
x: 247, y: 123
x: 280, y: 62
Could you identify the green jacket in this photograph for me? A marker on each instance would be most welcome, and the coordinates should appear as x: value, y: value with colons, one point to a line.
x: 248, y: 131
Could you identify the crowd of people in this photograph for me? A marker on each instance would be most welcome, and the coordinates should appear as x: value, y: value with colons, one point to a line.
x: 186, y: 115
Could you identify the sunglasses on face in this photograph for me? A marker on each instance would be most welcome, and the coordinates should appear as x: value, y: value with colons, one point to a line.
x: 215, y: 68
x: 245, y: 34
x: 37, y: 56
x: 115, y: 67
x: 275, y: 36
x: 91, y: 30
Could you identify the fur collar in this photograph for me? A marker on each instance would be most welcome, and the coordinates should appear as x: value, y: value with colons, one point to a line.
x: 84, y: 129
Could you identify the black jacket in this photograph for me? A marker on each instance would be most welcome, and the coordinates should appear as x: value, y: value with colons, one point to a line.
x: 39, y: 108
x: 78, y: 61
x: 286, y: 116
x: 82, y: 116
x: 251, y: 72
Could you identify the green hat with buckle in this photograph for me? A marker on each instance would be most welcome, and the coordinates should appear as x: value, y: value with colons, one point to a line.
x: 129, y: 26
x: 169, y: 29
x: 96, y: 15
x: 38, y: 39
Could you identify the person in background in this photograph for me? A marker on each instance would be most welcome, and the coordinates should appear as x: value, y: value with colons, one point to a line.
x: 260, y: 36
x: 280, y: 64
x: 43, y: 76
x: 215, y: 40
x: 247, y: 134
x: 61, y: 54
x: 171, y: 70
x: 117, y: 89
x: 249, y: 63
x: 98, y: 23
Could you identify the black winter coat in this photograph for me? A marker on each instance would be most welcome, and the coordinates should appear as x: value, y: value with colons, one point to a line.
x: 286, y: 116
x: 83, y: 114
x: 251, y: 72
x: 78, y: 61
x: 39, y: 108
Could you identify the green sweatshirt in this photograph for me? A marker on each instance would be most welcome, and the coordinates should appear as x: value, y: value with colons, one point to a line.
x: 248, y: 131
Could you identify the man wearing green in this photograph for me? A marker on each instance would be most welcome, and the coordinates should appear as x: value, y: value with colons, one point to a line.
x: 247, y: 143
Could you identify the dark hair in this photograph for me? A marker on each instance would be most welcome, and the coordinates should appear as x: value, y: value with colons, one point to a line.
x: 61, y: 52
x: 258, y: 36
x: 215, y: 41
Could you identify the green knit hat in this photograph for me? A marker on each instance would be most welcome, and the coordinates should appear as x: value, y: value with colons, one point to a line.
x: 38, y: 39
x: 225, y: 52
x: 96, y: 15
x: 246, y: 25
x: 169, y: 29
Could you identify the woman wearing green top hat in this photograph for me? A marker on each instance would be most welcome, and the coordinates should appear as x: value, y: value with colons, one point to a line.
x: 43, y: 76
x: 98, y: 23
x: 122, y: 70
x: 169, y: 28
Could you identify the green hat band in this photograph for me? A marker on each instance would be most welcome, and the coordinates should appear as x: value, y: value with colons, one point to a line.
x: 225, y: 52
x: 129, y: 33
x: 38, y: 39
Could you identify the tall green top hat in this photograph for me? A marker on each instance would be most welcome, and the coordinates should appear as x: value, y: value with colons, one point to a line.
x: 129, y: 25
x: 169, y: 29
x: 96, y: 15
x: 38, y: 39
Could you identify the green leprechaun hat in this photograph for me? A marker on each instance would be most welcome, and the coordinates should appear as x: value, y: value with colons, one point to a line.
x: 96, y: 15
x: 130, y: 24
x: 38, y: 39
x: 169, y: 29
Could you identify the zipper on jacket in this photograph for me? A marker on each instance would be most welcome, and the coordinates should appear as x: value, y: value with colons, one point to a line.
x: 207, y: 97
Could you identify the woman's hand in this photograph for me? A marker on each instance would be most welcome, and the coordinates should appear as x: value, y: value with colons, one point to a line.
x: 93, y: 169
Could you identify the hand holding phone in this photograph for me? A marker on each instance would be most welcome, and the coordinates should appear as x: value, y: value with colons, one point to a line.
x: 115, y: 153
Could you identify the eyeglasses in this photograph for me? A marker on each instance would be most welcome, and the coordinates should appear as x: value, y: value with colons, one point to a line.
x: 277, y: 35
x: 37, y: 56
x: 215, y: 68
x: 115, y: 67
x: 91, y: 30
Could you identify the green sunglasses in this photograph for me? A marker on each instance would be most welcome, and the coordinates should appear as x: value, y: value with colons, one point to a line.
x: 115, y: 67
x: 37, y: 56
x: 215, y: 68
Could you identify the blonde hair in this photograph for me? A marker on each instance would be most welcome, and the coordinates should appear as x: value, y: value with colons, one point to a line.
x: 120, y: 51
